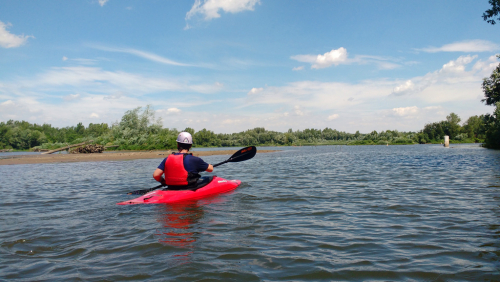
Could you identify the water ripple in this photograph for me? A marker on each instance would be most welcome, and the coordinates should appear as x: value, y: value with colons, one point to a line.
x: 332, y: 213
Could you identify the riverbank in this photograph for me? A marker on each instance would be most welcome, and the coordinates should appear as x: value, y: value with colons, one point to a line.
x: 104, y: 157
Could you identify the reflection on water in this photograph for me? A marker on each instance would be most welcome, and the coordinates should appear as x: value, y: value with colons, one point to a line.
x: 177, y: 222
x: 177, y: 228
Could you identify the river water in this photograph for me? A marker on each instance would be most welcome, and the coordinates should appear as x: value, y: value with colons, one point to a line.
x: 329, y: 213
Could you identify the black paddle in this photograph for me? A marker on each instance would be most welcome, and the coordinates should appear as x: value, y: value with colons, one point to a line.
x: 242, y: 155
x: 144, y: 191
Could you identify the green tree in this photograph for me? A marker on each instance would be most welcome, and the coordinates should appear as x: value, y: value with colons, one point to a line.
x: 4, y: 135
x: 26, y: 138
x: 490, y: 14
x: 80, y: 129
x: 492, y: 128
x: 190, y: 130
x: 206, y: 138
x: 473, y: 127
x: 452, y: 125
x: 491, y: 89
x: 95, y: 130
x: 491, y: 86
x: 453, y: 119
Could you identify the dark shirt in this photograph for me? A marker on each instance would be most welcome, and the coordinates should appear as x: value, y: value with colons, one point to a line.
x: 191, y: 164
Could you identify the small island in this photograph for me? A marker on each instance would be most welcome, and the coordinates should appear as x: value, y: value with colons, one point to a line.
x: 109, y: 156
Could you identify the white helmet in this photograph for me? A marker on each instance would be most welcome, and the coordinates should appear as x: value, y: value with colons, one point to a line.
x: 185, y: 138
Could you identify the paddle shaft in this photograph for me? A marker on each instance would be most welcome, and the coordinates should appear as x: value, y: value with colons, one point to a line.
x: 144, y: 191
x: 220, y: 163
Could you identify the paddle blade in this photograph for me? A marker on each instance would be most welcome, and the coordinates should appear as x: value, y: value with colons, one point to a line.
x: 243, y: 154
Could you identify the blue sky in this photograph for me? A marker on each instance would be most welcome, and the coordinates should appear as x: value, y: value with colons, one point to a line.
x: 229, y: 65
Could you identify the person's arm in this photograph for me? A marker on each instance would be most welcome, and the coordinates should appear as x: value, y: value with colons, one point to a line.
x: 158, y: 176
x: 200, y: 165
x: 210, y: 168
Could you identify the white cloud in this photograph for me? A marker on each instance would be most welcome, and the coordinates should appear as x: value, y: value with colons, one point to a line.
x: 415, y: 113
x: 321, y: 95
x: 94, y: 115
x: 209, y: 9
x: 142, y: 54
x: 207, y: 88
x: 80, y: 61
x: 231, y: 121
x: 332, y: 117
x: 453, y: 82
x: 7, y: 103
x: 485, y: 67
x: 173, y: 111
x: 298, y: 68
x: 116, y: 95
x: 405, y: 111
x: 255, y: 91
x: 71, y: 97
x: 297, y: 110
x: 406, y: 87
x: 464, y: 46
x: 102, y: 2
x: 9, y: 40
x: 431, y: 108
x: 334, y: 57
x: 85, y: 61
x: 384, y: 63
x: 101, y: 81
x: 340, y: 56
x: 377, y: 103
x: 458, y: 65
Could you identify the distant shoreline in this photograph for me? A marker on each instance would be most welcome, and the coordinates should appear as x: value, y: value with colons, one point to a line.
x: 104, y: 157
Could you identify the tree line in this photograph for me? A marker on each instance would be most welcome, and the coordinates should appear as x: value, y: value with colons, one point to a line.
x: 138, y: 129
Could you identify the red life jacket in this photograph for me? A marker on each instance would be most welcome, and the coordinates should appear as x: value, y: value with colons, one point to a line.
x: 175, y: 173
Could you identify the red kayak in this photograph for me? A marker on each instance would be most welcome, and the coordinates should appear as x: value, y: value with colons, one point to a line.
x: 216, y: 186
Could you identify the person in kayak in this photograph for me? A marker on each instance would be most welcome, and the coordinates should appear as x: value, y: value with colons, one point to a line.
x: 180, y: 171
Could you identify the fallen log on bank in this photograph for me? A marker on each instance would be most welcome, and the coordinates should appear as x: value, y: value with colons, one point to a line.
x: 67, y: 147
x: 88, y: 149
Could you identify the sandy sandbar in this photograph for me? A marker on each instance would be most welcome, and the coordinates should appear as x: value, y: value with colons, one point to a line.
x: 104, y: 157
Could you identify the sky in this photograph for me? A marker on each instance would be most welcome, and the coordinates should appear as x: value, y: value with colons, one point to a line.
x: 233, y: 65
